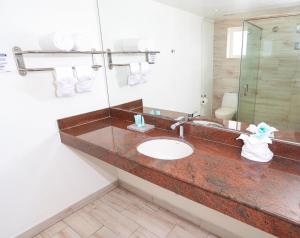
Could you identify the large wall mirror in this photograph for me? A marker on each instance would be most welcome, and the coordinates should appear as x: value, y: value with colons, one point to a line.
x: 230, y: 65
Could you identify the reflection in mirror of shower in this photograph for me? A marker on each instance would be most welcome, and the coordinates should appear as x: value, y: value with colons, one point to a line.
x: 271, y: 70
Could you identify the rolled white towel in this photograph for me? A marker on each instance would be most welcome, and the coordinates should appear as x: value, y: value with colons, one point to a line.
x: 57, y: 41
x: 64, y: 81
x: 82, y: 42
x: 135, y: 44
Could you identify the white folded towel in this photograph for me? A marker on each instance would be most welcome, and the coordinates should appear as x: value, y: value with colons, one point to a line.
x: 135, y: 74
x: 138, y: 73
x: 134, y: 79
x: 64, y: 81
x: 86, y: 77
x: 84, y: 86
x: 145, y: 69
x: 135, y: 68
x: 57, y: 41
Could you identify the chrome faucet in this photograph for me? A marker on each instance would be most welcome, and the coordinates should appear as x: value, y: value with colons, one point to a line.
x: 181, y: 121
x: 181, y: 128
x: 191, y: 116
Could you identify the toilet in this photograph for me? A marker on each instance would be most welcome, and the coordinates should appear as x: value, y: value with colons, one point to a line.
x: 228, y: 108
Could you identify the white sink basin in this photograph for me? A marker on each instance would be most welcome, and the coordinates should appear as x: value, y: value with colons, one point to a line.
x: 165, y: 149
x: 207, y: 123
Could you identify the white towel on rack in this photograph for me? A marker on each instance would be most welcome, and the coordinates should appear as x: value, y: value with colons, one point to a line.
x: 134, y: 77
x: 85, y: 79
x: 57, y: 41
x: 136, y: 44
x: 64, y: 81
x: 135, y: 68
x: 145, y: 69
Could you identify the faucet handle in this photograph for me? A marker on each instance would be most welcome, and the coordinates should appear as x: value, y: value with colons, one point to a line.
x: 192, y: 115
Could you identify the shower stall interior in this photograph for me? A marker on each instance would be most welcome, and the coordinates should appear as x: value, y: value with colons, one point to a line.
x: 270, y: 72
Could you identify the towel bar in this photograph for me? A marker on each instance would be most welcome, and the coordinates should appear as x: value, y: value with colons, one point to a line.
x: 18, y: 53
x: 110, y: 53
x: 25, y: 70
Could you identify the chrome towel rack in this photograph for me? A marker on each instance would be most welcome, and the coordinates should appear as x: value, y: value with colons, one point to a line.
x: 21, y: 67
x: 18, y: 54
x: 111, y: 65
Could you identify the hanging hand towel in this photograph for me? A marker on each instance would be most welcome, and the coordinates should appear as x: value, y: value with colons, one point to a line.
x: 145, y: 69
x: 134, y: 77
x: 86, y: 77
x: 64, y: 81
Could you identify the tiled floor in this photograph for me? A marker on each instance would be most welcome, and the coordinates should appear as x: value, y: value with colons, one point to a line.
x: 123, y: 214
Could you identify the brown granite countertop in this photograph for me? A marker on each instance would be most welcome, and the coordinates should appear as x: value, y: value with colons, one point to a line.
x: 271, y: 189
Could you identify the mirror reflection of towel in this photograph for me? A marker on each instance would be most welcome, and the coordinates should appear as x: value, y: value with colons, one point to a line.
x: 85, y: 79
x: 138, y: 73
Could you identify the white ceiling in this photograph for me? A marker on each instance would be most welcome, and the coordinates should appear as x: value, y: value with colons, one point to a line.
x: 217, y: 8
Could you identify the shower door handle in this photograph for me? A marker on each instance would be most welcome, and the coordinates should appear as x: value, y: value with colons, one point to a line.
x: 246, y: 89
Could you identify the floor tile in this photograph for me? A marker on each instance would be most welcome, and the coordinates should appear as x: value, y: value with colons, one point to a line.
x: 121, y: 199
x: 193, y: 229
x: 179, y: 232
x: 38, y: 236
x: 104, y: 233
x: 150, y: 221
x: 114, y: 220
x: 143, y: 233
x: 59, y: 230
x: 122, y: 214
x: 83, y: 223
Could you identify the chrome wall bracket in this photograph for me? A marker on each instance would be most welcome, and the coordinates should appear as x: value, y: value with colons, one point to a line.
x: 19, y: 59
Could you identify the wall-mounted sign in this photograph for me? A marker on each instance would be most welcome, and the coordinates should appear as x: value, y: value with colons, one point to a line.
x: 4, y: 63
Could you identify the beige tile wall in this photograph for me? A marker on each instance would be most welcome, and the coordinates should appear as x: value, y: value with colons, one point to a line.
x: 226, y: 71
x: 278, y: 95
x: 278, y: 89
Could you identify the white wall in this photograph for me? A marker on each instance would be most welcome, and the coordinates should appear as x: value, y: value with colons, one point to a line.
x: 39, y: 176
x: 175, y: 80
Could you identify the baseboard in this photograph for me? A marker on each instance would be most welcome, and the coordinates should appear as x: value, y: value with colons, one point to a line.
x: 67, y: 212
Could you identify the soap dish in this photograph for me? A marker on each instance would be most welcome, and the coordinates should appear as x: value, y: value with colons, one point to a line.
x: 145, y: 128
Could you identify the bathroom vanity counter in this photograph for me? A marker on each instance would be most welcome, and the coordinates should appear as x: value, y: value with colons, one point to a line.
x: 266, y: 196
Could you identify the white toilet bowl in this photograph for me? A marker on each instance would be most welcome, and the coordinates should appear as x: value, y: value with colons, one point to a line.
x: 228, y: 108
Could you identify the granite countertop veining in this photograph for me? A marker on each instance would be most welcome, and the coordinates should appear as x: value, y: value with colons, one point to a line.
x: 271, y: 189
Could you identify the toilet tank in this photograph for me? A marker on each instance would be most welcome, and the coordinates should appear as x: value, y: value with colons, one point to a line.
x: 230, y: 100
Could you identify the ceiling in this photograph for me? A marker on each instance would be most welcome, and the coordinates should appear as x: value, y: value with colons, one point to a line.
x: 218, y: 8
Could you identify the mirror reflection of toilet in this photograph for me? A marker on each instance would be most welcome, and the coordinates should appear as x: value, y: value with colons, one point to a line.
x: 229, y: 107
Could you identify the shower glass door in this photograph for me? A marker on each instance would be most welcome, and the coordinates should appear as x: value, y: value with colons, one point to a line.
x: 249, y: 70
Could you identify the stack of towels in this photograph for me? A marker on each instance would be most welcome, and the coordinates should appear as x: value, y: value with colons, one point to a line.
x: 65, y: 41
x: 138, y: 73
x: 71, y: 80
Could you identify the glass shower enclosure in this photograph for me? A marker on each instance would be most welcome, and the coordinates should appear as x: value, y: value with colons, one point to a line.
x: 270, y: 72
x: 249, y: 72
